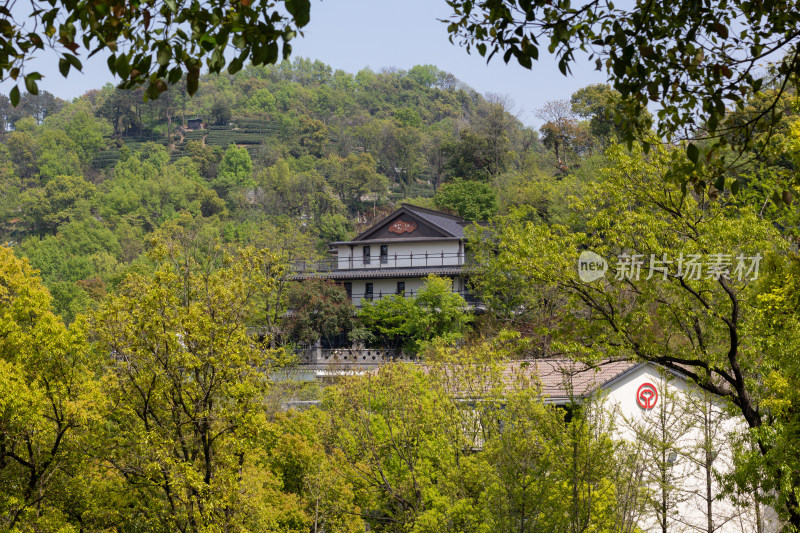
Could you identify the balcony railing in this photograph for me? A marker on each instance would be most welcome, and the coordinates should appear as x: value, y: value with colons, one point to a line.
x: 378, y: 262
x: 349, y: 356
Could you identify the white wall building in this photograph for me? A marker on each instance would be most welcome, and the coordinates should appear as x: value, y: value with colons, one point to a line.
x: 396, y: 254
x: 679, y: 435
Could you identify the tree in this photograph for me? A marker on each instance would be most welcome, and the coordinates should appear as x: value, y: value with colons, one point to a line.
x: 83, y: 255
x: 61, y: 199
x: 37, y: 106
x: 147, y: 190
x: 234, y: 170
x: 435, y: 312
x: 602, y: 106
x: 298, y: 457
x: 164, y: 51
x: 79, y: 123
x: 461, y: 445
x: 51, y: 407
x: 469, y: 157
x: 695, y: 62
x: 700, y: 324
x: 353, y: 177
x: 563, y: 134
x: 206, y: 158
x: 320, y: 309
x: 661, y: 435
x: 189, y: 383
x: 471, y: 200
x: 388, y: 427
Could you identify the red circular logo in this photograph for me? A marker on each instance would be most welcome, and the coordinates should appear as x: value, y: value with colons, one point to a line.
x: 647, y: 396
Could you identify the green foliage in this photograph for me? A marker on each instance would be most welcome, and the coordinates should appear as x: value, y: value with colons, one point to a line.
x: 158, y: 56
x: 234, y: 171
x: 298, y: 457
x: 80, y: 124
x: 334, y: 228
x: 189, y: 389
x: 147, y: 190
x: 51, y: 405
x: 672, y: 55
x: 62, y: 199
x: 421, y: 460
x: 75, y: 264
x: 644, y: 317
x: 352, y: 178
x: 603, y: 107
x: 319, y: 309
x: 435, y: 312
x: 471, y: 200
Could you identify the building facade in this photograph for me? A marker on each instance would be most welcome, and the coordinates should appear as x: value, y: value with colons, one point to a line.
x: 679, y: 439
x: 395, y: 255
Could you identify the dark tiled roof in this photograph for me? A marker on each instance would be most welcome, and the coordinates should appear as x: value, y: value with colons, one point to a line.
x: 382, y: 273
x: 451, y: 224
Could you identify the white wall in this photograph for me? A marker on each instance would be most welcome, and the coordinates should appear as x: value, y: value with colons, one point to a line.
x: 688, y: 470
x: 404, y: 251
x: 388, y: 287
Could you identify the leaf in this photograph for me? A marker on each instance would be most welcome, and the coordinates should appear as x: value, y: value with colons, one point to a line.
x: 122, y: 66
x: 14, y: 96
x: 693, y: 153
x: 30, y: 84
x: 164, y: 55
x: 300, y: 11
x: 192, y: 80
x: 74, y: 61
x: 235, y: 65
x: 63, y: 67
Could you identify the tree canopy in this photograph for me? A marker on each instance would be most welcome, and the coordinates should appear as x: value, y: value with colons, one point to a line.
x: 699, y: 63
x: 154, y: 43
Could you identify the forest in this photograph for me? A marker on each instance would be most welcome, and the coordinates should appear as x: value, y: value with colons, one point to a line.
x: 144, y: 294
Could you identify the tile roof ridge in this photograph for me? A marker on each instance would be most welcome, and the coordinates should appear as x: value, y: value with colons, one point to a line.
x: 413, y: 207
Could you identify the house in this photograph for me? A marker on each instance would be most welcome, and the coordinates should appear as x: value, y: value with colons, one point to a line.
x: 194, y: 124
x: 678, y: 440
x: 675, y: 433
x: 395, y: 255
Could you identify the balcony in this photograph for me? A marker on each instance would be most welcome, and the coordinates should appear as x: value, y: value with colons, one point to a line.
x: 383, y: 262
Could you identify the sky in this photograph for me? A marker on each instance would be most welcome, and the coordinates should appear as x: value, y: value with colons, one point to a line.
x: 353, y: 34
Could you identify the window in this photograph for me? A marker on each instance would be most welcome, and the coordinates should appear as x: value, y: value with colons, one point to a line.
x: 401, y: 288
x: 384, y: 254
x: 368, y: 292
x: 366, y: 255
x: 348, y: 288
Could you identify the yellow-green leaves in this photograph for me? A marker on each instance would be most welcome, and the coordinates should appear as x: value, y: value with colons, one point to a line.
x: 191, y: 382
x: 50, y: 400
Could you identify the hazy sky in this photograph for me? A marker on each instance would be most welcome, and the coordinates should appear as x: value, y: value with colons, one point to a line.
x: 353, y: 34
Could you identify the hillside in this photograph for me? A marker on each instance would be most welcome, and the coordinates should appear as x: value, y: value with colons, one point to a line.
x: 297, y: 145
